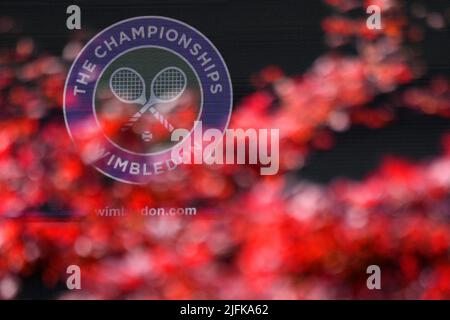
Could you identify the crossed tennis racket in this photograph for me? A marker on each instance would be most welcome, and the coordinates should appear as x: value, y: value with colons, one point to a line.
x: 129, y: 86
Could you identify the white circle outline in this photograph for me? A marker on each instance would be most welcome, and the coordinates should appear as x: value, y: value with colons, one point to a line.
x: 106, y: 67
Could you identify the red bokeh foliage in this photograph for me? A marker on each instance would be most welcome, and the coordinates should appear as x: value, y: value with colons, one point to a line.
x: 253, y: 237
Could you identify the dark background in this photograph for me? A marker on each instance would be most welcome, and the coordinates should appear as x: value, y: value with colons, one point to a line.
x: 252, y: 35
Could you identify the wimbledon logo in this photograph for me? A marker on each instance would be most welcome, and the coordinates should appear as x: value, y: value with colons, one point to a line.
x: 135, y: 83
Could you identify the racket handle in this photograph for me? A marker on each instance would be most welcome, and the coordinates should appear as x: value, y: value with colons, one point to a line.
x: 161, y: 119
x: 132, y: 121
x: 155, y: 113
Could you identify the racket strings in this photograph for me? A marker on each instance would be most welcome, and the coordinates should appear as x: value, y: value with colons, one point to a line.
x: 127, y: 85
x: 169, y: 84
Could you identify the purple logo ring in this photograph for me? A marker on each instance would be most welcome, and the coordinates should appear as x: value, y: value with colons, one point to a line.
x: 108, y: 45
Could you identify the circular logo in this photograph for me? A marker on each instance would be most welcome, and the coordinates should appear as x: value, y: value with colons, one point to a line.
x: 133, y: 85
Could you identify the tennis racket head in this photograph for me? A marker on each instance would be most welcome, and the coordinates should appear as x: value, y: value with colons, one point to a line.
x: 127, y: 85
x: 169, y: 84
